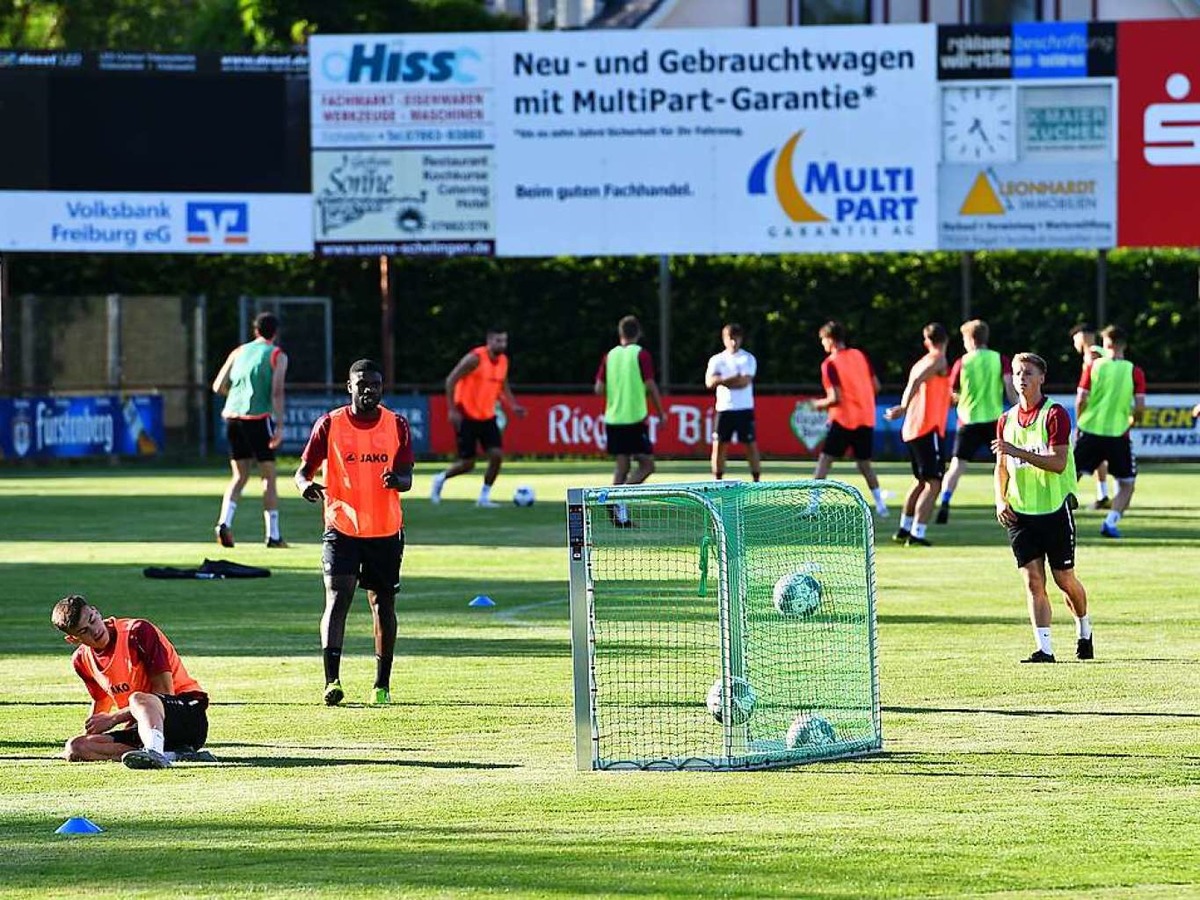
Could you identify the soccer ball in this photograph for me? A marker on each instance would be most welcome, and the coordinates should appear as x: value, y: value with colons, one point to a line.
x: 743, y: 698
x: 523, y: 496
x: 810, y: 730
x: 797, y: 594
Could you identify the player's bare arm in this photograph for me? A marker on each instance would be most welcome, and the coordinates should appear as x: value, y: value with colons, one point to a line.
x: 656, y: 399
x: 921, y: 373
x: 598, y: 387
x: 220, y: 384
x: 1055, y: 461
x: 738, y: 381
x: 465, y: 366
x: 398, y: 479
x: 310, y: 490
x: 833, y: 397
x: 1004, y: 512
x: 277, y: 401
x: 510, y: 400
x: 1081, y: 400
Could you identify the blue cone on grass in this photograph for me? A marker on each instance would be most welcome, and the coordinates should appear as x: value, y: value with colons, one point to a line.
x: 482, y: 600
x: 78, y: 825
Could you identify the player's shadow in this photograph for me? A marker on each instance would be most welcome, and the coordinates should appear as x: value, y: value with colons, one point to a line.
x: 1107, y: 713
x: 318, y: 762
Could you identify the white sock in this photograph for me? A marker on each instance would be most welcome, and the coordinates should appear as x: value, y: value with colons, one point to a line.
x: 439, y: 479
x: 1083, y: 627
x: 906, y: 522
x: 918, y: 530
x: 228, y: 508
x: 1112, y: 519
x: 622, y: 512
x: 1043, y: 640
x: 1102, y: 490
x: 485, y: 493
x: 156, y: 740
x: 877, y: 493
x: 271, y: 518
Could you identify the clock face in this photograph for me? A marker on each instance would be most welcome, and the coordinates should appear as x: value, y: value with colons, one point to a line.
x: 978, y: 124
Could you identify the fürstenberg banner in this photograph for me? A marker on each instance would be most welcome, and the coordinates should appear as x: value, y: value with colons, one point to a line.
x: 699, y: 141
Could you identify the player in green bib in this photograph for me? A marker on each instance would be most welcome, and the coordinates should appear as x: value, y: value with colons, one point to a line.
x: 1111, y: 395
x: 626, y: 381
x: 981, y: 382
x: 1034, y: 483
x: 1086, y: 341
x: 251, y: 379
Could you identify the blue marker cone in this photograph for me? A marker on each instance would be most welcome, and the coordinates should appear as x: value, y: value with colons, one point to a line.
x: 78, y: 825
x: 482, y: 600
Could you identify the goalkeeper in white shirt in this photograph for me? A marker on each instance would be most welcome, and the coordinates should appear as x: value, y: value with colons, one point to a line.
x: 731, y: 373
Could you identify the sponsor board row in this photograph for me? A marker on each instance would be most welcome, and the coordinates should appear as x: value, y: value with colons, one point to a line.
x: 69, y: 427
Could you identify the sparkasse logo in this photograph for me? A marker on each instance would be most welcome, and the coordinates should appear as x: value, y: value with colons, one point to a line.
x: 389, y: 63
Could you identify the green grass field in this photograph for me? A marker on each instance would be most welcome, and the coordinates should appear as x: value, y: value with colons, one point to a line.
x: 997, y: 778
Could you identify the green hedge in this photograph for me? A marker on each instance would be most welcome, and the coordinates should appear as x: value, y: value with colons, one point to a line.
x: 561, y: 313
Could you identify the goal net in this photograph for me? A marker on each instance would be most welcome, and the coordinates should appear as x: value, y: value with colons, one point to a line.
x: 722, y: 626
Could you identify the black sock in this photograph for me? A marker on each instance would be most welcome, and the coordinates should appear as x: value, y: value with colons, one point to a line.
x: 757, y: 475
x: 383, y: 672
x: 333, y: 663
x: 718, y: 475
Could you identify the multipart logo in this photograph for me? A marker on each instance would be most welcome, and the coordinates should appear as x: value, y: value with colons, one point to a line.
x: 211, y: 222
x: 828, y: 192
x: 389, y: 63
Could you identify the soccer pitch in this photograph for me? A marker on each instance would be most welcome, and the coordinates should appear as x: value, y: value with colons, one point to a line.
x: 997, y: 778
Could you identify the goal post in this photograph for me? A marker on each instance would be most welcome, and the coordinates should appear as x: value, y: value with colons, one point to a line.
x: 722, y: 625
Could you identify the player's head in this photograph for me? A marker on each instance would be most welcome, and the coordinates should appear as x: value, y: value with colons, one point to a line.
x: 365, y: 385
x: 935, y: 336
x: 629, y: 328
x: 496, y: 340
x: 266, y: 325
x: 832, y: 334
x: 732, y: 336
x: 974, y: 333
x: 1083, y: 336
x: 1114, y: 337
x: 1029, y: 374
x: 79, y: 621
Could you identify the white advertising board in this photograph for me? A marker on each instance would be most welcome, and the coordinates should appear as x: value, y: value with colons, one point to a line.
x: 624, y: 142
x: 67, y: 222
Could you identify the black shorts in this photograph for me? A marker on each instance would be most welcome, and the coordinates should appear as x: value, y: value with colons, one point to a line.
x: 375, y: 562
x: 969, y: 438
x: 735, y: 425
x: 1093, y: 449
x: 484, y: 432
x: 629, y: 440
x: 1051, y: 535
x: 250, y: 439
x: 859, y: 441
x: 925, y: 453
x: 185, y: 723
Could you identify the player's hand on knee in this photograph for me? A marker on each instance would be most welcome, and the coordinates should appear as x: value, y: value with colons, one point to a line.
x: 314, y: 492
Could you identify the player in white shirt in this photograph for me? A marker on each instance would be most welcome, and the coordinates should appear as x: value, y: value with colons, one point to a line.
x: 731, y: 373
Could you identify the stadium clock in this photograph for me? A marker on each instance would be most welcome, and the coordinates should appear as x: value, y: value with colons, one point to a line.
x: 978, y: 124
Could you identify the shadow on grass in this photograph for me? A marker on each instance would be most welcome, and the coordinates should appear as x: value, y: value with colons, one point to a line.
x: 317, y: 762
x: 938, y: 710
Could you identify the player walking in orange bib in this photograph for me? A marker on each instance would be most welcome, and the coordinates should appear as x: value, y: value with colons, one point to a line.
x: 366, y: 451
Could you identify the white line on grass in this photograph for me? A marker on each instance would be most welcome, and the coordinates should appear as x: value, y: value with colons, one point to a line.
x: 509, y: 616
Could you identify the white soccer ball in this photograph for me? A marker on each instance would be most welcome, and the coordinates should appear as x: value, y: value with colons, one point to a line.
x: 809, y: 730
x: 523, y: 496
x: 797, y: 594
x: 743, y: 700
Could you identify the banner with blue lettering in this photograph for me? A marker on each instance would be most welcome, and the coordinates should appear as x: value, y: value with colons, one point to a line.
x: 72, y: 427
x: 301, y: 412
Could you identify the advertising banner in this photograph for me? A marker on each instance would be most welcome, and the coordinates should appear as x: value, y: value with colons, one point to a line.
x: 1159, y: 183
x: 69, y: 427
x: 1166, y: 427
x: 1028, y: 145
x: 301, y: 412
x: 155, y: 223
x: 626, y: 142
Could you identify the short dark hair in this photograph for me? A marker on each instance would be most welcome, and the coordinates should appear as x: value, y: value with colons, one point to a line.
x: 735, y: 330
x: 629, y: 327
x: 1032, y: 358
x: 1082, y: 328
x: 835, y: 331
x: 365, y: 365
x: 1116, y: 334
x: 67, y: 612
x: 266, y: 324
x: 936, y: 332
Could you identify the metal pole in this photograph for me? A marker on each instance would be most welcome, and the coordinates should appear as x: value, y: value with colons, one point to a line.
x: 113, y: 309
x: 664, y: 321
x: 6, y: 361
x: 1101, y: 288
x: 387, y: 322
x: 200, y: 370
x: 965, y: 265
